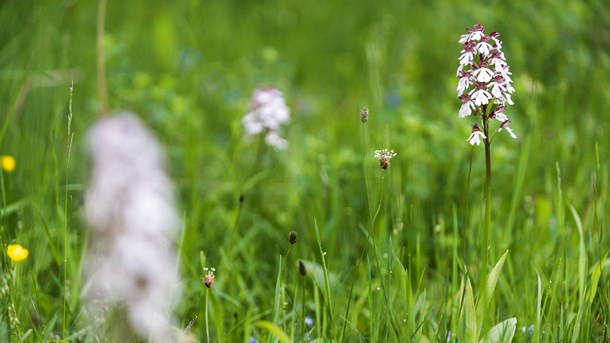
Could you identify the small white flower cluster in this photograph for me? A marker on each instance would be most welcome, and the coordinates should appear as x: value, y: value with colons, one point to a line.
x: 208, y: 278
x: 484, y: 79
x: 129, y: 205
x: 384, y: 156
x: 267, y: 112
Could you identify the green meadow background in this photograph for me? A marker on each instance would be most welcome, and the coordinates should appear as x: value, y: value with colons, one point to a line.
x: 389, y: 254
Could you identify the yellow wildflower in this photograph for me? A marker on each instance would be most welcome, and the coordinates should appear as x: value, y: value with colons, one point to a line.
x: 17, y: 253
x: 8, y: 163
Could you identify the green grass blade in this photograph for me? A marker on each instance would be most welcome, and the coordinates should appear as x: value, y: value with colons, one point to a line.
x: 281, y: 335
x: 469, y: 317
x: 490, y: 286
x: 595, y: 275
x: 325, y: 269
x: 582, y: 253
x: 278, y: 294
x: 502, y: 332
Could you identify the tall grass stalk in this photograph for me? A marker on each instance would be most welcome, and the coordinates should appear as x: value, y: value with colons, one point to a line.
x: 66, y: 217
x: 101, y: 63
x: 364, y: 151
x: 207, y: 324
x: 328, y: 300
x: 279, y: 289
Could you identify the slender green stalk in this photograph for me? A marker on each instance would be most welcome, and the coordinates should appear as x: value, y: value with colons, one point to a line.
x: 364, y: 141
x: 326, y: 283
x: 66, y: 217
x: 374, y: 220
x: 468, y: 187
x: 207, y: 326
x: 3, y: 209
x: 101, y: 66
x: 232, y: 241
x: 278, y: 289
x: 302, y: 322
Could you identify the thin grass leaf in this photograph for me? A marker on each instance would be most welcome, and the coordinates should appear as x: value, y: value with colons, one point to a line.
x: 585, y: 302
x: 468, y: 316
x: 326, y: 279
x: 502, y: 332
x: 26, y: 335
x: 582, y: 253
x: 490, y: 286
x: 50, y: 240
x: 538, y: 307
x: 278, y: 295
x: 316, y: 272
x: 281, y: 335
x: 14, y: 207
x: 595, y: 275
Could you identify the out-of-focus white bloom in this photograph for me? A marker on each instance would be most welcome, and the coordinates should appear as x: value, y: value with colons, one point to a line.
x: 476, y: 135
x: 129, y: 205
x: 267, y: 112
x: 273, y: 138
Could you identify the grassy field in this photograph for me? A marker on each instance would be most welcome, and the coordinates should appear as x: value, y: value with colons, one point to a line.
x: 389, y: 255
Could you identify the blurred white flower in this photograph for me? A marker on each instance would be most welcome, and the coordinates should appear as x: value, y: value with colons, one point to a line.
x: 273, y: 138
x: 267, y: 112
x: 129, y: 205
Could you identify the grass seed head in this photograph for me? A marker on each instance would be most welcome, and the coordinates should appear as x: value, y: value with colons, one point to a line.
x: 293, y: 237
x: 364, y: 115
x: 302, y: 268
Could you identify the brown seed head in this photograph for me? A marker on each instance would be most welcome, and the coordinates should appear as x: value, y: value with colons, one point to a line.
x: 293, y: 237
x: 302, y: 268
x: 208, y: 278
x: 364, y: 115
x: 384, y: 163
